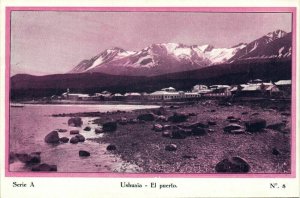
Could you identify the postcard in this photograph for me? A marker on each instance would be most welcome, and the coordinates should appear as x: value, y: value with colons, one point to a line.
x: 149, y: 100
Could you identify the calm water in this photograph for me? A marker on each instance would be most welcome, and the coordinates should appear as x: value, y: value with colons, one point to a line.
x: 31, y: 123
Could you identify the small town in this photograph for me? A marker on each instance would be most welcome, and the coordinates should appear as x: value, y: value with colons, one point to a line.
x: 253, y: 89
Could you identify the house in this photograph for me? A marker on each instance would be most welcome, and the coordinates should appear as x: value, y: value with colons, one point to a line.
x: 221, y: 91
x: 164, y: 95
x: 75, y: 96
x: 117, y: 96
x: 133, y: 96
x: 285, y: 86
x: 198, y: 88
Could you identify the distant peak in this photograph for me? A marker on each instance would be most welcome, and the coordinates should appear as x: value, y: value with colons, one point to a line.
x: 277, y: 33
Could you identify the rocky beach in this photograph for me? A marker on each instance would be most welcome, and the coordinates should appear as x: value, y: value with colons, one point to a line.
x: 208, y: 136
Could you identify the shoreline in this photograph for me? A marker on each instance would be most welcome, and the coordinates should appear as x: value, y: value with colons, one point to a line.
x: 141, y: 145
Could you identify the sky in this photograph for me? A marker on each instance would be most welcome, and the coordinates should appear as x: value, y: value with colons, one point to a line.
x: 49, y: 42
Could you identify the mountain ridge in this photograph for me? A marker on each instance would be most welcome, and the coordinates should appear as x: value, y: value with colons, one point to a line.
x: 162, y: 58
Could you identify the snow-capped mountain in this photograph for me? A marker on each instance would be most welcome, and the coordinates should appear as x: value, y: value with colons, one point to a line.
x: 173, y: 57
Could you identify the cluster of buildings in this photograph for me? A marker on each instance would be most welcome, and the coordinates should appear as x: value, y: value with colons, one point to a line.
x: 254, y: 88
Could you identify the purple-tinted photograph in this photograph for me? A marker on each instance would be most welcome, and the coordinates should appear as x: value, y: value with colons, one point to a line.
x: 150, y: 92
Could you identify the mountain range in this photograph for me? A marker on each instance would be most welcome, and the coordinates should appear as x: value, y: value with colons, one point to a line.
x: 163, y: 65
x: 164, y: 58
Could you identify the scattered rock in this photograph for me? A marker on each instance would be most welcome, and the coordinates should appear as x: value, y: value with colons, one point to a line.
x: 162, y: 118
x: 211, y: 130
x: 146, y: 117
x: 244, y: 113
x: 123, y: 121
x: 64, y: 139
x: 98, y: 130
x: 167, y: 127
x: 83, y: 153
x: 234, y: 120
x: 75, y: 122
x: 109, y: 126
x: 157, y: 127
x: 133, y: 121
x: 111, y: 147
x: 198, y: 131
x: 196, y: 125
x: 275, y: 151
x: 87, y: 128
x: 52, y: 137
x: 210, y: 122
x: 231, y: 127
x: 277, y: 126
x: 61, y: 130
x: 237, y: 131
x: 73, y: 132
x: 171, y: 147
x: 192, y: 114
x: 254, y: 114
x: 44, y: 168
x: 166, y: 134
x: 286, y: 113
x: 96, y: 121
x: 255, y: 125
x: 213, y: 110
x: 233, y: 165
x: 80, y: 138
x: 74, y: 140
x: 174, y: 107
x: 189, y: 157
x: 178, y: 117
x: 178, y: 134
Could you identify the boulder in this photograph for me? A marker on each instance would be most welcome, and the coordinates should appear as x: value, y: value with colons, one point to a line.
x: 44, y: 168
x: 87, y: 128
x: 157, y: 127
x: 277, y: 126
x: 28, y: 159
x: 178, y: 117
x: 83, y: 153
x: 111, y: 147
x: 98, y: 130
x: 231, y: 127
x: 64, y: 139
x: 255, y: 125
x: 75, y: 122
x: 146, y: 117
x: 109, y: 126
x: 12, y: 157
x: 73, y: 132
x: 74, y: 140
x: 52, y: 137
x: 196, y: 125
x: 198, y: 131
x: 80, y: 138
x: 171, y: 147
x: 178, y: 134
x: 233, y: 165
